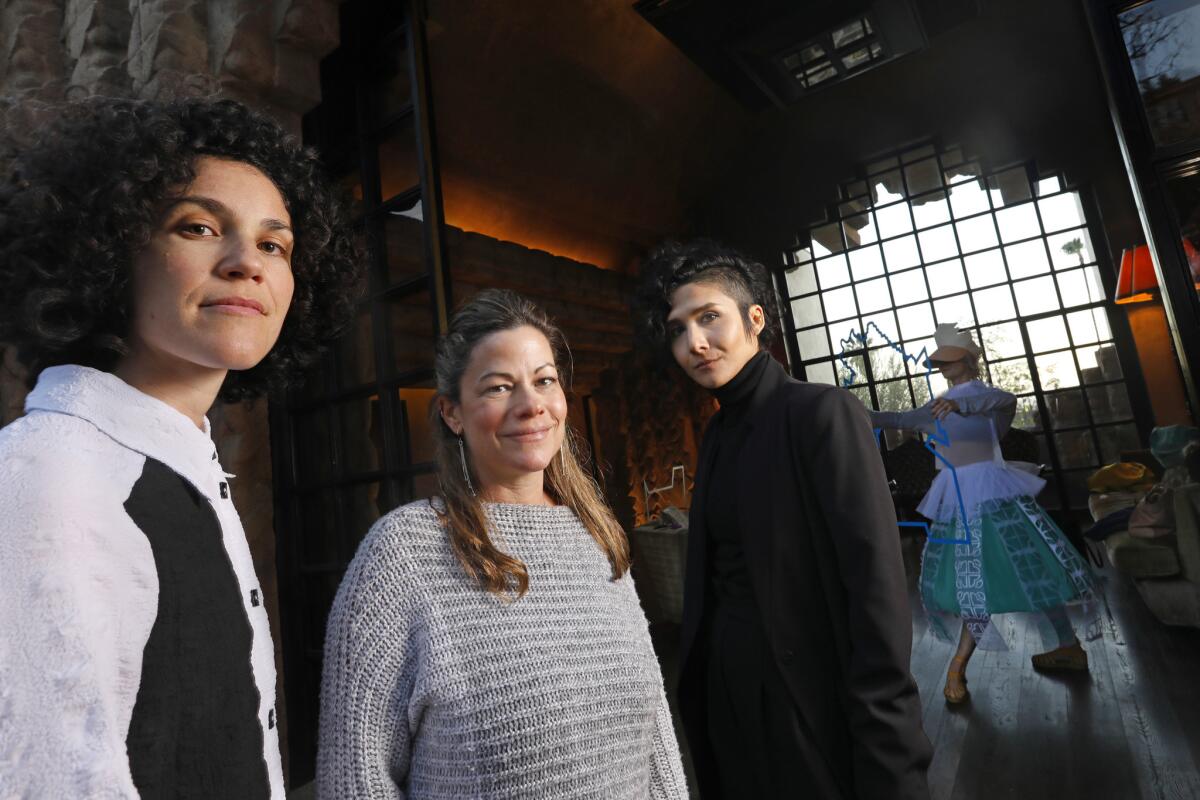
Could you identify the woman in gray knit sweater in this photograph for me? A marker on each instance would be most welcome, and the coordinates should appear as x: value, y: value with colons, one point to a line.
x: 488, y: 642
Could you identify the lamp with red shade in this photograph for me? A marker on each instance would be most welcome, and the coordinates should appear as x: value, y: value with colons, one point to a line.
x: 1137, y: 281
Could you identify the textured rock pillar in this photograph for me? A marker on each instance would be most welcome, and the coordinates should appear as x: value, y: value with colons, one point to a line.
x: 265, y: 53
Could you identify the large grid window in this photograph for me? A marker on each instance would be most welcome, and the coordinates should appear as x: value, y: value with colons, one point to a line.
x: 929, y: 236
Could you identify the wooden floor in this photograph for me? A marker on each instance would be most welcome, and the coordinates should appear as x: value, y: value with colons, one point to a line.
x: 1129, y: 729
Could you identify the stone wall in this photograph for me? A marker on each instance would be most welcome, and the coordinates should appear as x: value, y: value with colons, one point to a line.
x: 265, y: 53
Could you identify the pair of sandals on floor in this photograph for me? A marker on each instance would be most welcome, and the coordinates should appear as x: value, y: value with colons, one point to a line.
x: 1072, y: 658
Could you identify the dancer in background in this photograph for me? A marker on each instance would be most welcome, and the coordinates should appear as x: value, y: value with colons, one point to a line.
x: 153, y: 257
x: 797, y: 634
x: 1017, y: 560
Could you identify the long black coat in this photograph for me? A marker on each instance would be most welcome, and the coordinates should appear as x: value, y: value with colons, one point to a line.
x: 823, y: 551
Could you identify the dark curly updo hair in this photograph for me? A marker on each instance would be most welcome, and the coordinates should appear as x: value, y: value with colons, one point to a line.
x: 82, y: 191
x: 674, y: 264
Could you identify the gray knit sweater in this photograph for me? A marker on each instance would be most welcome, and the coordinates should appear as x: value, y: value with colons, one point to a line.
x: 435, y: 688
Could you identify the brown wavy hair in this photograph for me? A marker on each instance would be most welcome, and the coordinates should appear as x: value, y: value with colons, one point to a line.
x: 566, y: 480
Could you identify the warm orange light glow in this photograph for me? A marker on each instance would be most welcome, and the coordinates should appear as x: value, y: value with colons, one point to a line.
x: 477, y: 208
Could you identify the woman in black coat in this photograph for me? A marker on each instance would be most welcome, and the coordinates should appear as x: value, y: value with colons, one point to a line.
x: 796, y: 630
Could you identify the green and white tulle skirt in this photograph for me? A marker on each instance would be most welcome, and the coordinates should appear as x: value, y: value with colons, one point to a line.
x: 1015, y: 560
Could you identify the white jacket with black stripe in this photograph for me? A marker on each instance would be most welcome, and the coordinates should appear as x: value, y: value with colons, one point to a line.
x: 135, y: 653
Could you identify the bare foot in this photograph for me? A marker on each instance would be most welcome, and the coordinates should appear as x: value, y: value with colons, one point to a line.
x: 956, y: 681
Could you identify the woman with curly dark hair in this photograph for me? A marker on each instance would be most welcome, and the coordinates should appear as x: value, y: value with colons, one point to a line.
x: 153, y: 257
x: 794, y: 668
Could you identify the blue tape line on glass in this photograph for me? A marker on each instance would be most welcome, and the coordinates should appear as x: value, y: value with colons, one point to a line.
x: 858, y: 339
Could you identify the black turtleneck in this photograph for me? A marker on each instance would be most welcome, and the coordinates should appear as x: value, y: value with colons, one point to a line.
x: 730, y: 578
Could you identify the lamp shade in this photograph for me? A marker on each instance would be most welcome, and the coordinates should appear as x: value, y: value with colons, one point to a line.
x: 1136, y: 281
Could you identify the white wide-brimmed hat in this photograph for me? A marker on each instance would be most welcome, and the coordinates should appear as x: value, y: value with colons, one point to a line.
x: 953, y: 344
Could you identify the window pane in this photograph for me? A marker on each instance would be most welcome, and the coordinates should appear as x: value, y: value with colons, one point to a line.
x: 833, y: 271
x: 946, y: 278
x: 1061, y: 211
x: 1048, y: 334
x: 923, y: 176
x: 847, y: 34
x: 404, y: 244
x: 319, y: 527
x: 413, y: 405
x: 800, y: 280
x: 985, y: 269
x: 866, y: 262
x: 932, y: 209
x: 1003, y: 341
x: 1056, y: 370
x: 356, y: 352
x: 977, y: 233
x: 873, y: 295
x: 1050, y: 185
x: 827, y: 239
x: 1018, y: 222
x: 1088, y: 326
x: 916, y: 320
x: 1075, y: 449
x: 887, y: 188
x: 854, y: 189
x: 807, y: 311
x: 893, y: 395
x: 1026, y: 259
x: 1071, y: 249
x: 886, y: 362
x: 398, y: 161
x: 314, y: 455
x: 994, y: 305
x: 839, y: 303
x: 802, y: 255
x: 860, y: 229
x: 1081, y: 286
x: 909, y: 287
x: 954, y: 309
x: 1066, y: 409
x: 938, y: 243
x: 1012, y: 376
x: 901, y: 253
x: 1036, y: 296
x: 843, y: 336
x: 1110, y: 403
x: 1116, y: 438
x: 390, y: 89
x: 821, y: 372
x: 362, y: 434
x: 1009, y: 187
x: 812, y: 343
x: 877, y: 326
x: 850, y: 371
x: 1099, y: 363
x: 921, y: 391
x: 361, y: 504
x: 893, y: 220
x: 410, y: 323
x: 1027, y: 417
x: 964, y: 173
x: 967, y: 199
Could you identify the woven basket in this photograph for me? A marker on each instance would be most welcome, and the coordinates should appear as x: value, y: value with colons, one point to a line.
x: 659, y: 550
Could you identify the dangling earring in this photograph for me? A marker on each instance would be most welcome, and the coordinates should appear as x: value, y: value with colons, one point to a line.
x: 462, y: 456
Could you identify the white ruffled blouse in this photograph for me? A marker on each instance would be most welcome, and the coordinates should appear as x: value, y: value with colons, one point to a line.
x: 969, y: 444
